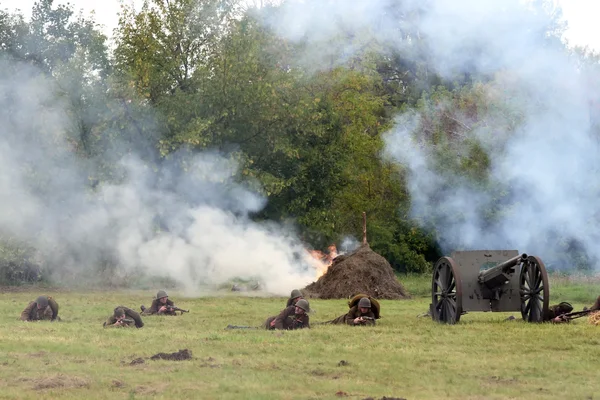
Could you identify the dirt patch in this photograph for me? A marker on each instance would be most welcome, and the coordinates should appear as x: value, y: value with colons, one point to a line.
x: 502, y: 381
x: 343, y: 363
x: 145, y: 390
x: 210, y: 363
x: 184, y: 354
x: 362, y: 271
x: 137, y: 361
x: 385, y: 398
x: 58, y: 381
x: 118, y: 384
x: 37, y: 354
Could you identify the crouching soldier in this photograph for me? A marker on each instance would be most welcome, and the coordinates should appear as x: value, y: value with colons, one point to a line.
x: 292, y: 317
x: 124, y: 317
x: 161, y: 305
x: 43, y: 308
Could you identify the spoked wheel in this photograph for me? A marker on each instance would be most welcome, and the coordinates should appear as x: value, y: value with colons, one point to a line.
x: 446, y: 292
x: 534, y: 290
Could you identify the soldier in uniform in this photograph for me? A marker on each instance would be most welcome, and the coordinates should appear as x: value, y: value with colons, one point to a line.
x: 124, y: 317
x: 360, y: 314
x: 292, y: 317
x: 294, y: 297
x: 555, y: 311
x: 43, y: 308
x: 160, y: 305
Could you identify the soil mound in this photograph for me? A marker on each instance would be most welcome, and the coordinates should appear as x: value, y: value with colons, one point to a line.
x: 362, y: 271
x: 178, y: 356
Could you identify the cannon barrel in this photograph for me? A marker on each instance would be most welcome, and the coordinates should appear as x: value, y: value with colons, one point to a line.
x: 500, y: 274
x: 511, y: 263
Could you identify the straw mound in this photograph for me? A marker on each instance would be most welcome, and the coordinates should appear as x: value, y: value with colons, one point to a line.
x: 362, y: 271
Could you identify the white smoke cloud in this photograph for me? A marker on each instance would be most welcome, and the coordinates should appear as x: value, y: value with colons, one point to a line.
x: 545, y: 170
x: 188, y: 219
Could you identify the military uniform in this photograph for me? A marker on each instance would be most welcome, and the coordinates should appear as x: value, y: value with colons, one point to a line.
x: 49, y: 310
x: 355, y: 304
x: 294, y: 297
x: 157, y: 304
x: 129, y: 314
x: 559, y: 309
x: 352, y: 314
x: 289, y: 320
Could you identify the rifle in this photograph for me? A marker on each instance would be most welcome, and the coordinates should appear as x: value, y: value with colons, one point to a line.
x: 241, y: 327
x: 123, y: 322
x: 367, y: 318
x: 577, y: 314
x: 175, y: 308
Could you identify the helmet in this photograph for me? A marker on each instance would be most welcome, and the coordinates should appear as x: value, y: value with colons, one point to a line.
x: 295, y: 294
x: 42, y: 301
x: 364, y: 302
x: 119, y: 312
x: 161, y: 294
x: 303, y: 304
x: 565, y: 307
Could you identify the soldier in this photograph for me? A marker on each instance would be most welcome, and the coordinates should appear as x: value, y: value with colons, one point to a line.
x: 124, y: 317
x: 292, y: 317
x: 556, y: 315
x: 555, y: 311
x: 294, y: 297
x: 43, y: 308
x: 359, y: 314
x: 160, y: 305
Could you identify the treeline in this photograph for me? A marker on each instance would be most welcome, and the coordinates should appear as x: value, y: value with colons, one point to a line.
x: 207, y: 74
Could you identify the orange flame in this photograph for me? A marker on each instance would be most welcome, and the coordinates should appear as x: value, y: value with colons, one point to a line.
x: 322, y: 261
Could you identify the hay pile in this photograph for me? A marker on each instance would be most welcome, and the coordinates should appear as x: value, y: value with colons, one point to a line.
x: 594, y: 318
x: 362, y: 271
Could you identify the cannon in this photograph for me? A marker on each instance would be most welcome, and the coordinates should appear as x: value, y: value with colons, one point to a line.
x: 482, y: 280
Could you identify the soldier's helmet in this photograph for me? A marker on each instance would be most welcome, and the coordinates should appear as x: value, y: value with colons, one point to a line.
x: 161, y: 294
x: 303, y: 304
x: 565, y: 307
x: 364, y: 303
x: 295, y: 294
x: 42, y: 301
x: 119, y: 312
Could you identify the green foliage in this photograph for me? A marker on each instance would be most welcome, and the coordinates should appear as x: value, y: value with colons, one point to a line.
x: 17, y: 264
x: 207, y: 75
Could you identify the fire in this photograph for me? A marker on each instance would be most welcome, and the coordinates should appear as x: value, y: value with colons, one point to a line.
x: 322, y: 261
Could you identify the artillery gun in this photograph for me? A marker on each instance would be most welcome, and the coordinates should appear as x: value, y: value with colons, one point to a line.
x: 498, y: 280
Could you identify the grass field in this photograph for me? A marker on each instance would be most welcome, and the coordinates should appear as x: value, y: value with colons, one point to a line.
x: 483, y: 357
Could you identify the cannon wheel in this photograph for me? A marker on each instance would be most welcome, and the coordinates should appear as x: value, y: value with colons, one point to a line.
x: 446, y: 292
x: 534, y: 290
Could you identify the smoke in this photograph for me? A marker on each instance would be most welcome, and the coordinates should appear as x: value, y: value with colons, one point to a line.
x: 539, y: 192
x: 349, y: 244
x: 186, y: 218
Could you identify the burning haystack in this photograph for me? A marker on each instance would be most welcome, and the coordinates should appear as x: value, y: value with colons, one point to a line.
x: 362, y: 271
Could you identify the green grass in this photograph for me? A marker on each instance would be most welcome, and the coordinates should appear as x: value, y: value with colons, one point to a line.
x: 483, y: 357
